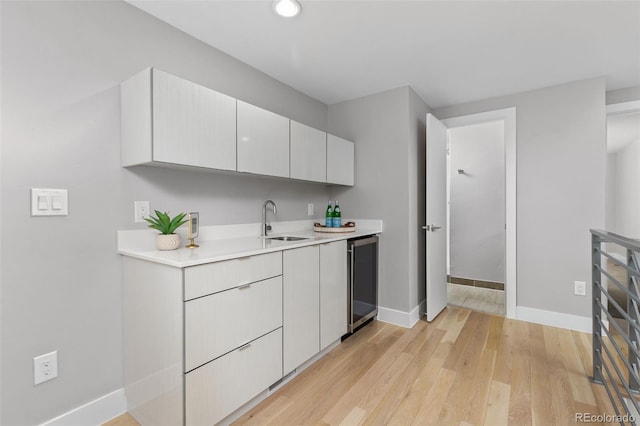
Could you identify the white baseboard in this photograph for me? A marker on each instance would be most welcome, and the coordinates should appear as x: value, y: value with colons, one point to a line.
x: 95, y: 412
x: 554, y: 319
x: 401, y: 318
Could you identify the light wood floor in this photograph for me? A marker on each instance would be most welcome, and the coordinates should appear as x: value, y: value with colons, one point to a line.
x: 464, y: 368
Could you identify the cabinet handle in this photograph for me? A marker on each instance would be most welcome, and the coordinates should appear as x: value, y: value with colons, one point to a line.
x: 242, y: 287
x: 244, y: 258
x: 245, y: 346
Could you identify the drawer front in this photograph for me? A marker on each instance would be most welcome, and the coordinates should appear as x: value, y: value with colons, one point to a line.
x: 217, y: 389
x: 211, y: 278
x: 221, y: 322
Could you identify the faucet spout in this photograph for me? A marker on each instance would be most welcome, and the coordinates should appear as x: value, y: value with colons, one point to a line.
x: 265, y: 226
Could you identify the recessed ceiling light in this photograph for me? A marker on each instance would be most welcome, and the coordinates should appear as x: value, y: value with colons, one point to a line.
x: 287, y: 8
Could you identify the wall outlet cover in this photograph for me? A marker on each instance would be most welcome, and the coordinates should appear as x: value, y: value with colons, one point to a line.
x: 310, y: 209
x: 45, y: 367
x: 140, y: 211
x: 580, y: 288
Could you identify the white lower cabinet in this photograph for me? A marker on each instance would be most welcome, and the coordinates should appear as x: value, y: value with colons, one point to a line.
x: 202, y: 341
x: 218, y: 388
x: 333, y: 292
x: 301, y: 320
x: 221, y: 322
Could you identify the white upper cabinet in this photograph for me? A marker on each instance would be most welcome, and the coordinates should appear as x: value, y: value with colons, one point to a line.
x: 340, y: 161
x: 166, y: 119
x: 263, y: 141
x: 308, y: 153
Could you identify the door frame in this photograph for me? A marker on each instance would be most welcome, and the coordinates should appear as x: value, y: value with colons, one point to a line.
x: 508, y: 116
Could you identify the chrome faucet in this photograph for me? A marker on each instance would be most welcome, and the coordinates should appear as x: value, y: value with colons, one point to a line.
x: 265, y: 226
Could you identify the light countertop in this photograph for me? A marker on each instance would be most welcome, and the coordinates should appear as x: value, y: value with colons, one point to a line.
x: 222, y: 243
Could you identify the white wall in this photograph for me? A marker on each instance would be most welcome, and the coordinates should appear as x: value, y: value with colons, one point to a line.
x: 477, y: 202
x: 388, y: 128
x: 561, y: 155
x: 62, y: 63
x: 627, y: 191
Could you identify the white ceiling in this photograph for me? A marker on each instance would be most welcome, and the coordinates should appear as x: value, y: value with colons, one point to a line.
x: 622, y: 129
x: 450, y: 52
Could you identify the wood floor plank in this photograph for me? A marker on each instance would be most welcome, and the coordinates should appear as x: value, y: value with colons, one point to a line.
x: 562, y: 400
x: 465, y: 367
x: 497, y: 411
x: 540, y: 382
x: 520, y: 400
x: 504, y: 357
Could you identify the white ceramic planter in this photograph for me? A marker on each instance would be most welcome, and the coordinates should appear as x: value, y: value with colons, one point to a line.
x: 167, y: 242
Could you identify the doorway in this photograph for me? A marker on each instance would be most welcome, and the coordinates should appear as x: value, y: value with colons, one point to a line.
x: 508, y: 117
x: 476, y: 217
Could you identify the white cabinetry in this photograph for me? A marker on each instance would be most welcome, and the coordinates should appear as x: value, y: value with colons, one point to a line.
x: 263, y: 141
x: 308, y: 153
x: 196, y: 360
x: 340, y: 161
x: 301, y: 321
x: 333, y: 292
x: 169, y: 120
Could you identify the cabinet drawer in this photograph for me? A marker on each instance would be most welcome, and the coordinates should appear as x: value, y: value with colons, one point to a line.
x: 215, y: 390
x: 221, y: 322
x: 211, y: 278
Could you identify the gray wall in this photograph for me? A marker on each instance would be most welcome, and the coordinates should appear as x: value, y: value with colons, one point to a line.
x: 388, y: 131
x: 561, y: 156
x: 417, y: 197
x: 477, y: 202
x: 627, y: 198
x: 623, y: 95
x: 62, y: 63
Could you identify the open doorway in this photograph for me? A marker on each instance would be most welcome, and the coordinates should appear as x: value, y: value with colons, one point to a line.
x: 622, y: 192
x: 476, y: 213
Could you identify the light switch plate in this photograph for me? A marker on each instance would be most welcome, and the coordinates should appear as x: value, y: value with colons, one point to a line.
x: 49, y: 202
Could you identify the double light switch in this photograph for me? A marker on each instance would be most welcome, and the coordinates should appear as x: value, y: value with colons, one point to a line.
x: 49, y: 202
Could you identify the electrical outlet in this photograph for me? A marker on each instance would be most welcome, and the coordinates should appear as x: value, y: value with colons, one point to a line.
x: 140, y: 211
x: 310, y: 209
x: 579, y: 288
x: 45, y: 367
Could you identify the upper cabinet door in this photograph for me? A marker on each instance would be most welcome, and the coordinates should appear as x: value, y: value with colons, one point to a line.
x: 263, y: 141
x: 308, y: 153
x: 192, y: 125
x: 340, y: 160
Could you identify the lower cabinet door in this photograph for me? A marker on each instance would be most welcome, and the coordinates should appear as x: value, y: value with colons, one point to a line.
x: 220, y: 387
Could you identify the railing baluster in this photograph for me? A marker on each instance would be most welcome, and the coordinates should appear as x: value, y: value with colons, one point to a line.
x: 632, y: 310
x: 596, y: 277
x: 626, y: 381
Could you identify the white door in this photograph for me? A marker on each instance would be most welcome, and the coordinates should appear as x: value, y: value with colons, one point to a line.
x: 436, y: 235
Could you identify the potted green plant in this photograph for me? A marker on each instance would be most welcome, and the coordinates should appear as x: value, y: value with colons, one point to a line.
x: 167, y: 239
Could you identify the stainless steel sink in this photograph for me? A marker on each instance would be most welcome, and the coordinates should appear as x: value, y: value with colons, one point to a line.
x: 287, y: 238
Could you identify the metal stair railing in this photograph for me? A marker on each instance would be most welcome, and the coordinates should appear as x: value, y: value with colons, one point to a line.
x: 616, y: 370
